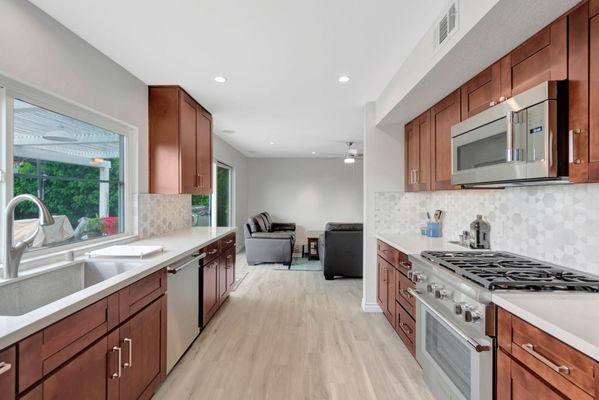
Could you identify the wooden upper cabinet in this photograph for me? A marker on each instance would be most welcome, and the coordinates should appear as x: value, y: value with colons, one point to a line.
x: 593, y: 136
x: 180, y: 148
x: 541, y: 58
x: 417, y: 153
x: 593, y: 8
x: 491, y: 86
x: 444, y: 115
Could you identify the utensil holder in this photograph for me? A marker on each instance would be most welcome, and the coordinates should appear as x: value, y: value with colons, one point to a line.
x: 434, y: 229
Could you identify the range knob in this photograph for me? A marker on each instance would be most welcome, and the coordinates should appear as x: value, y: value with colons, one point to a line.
x: 416, y: 277
x: 471, y: 315
x: 441, y: 294
x: 459, y: 307
x: 431, y: 287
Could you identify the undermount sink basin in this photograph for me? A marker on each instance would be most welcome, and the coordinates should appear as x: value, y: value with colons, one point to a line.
x: 25, y: 294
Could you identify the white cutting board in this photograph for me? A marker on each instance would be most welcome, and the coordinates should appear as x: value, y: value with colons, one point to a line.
x: 126, y: 251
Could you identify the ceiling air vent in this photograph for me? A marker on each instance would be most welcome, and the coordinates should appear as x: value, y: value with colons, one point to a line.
x: 446, y: 26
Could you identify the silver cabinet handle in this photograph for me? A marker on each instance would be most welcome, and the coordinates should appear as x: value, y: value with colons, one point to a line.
x: 502, y: 98
x: 530, y: 349
x: 4, y: 366
x: 129, y: 342
x: 119, y: 373
x: 491, y: 104
x: 571, y: 134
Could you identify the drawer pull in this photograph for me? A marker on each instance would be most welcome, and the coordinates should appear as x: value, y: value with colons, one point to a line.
x: 213, y: 251
x: 406, y: 265
x: 406, y: 294
x: 4, y: 367
x: 404, y: 327
x: 530, y: 349
x: 229, y: 241
x: 119, y: 373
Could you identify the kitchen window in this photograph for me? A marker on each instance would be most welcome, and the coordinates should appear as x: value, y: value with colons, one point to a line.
x: 73, y: 159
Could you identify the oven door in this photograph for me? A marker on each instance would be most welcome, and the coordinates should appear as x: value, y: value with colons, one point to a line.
x: 455, y: 367
x: 491, y: 152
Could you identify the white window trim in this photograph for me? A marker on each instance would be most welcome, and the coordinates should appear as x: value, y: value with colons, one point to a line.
x: 11, y: 88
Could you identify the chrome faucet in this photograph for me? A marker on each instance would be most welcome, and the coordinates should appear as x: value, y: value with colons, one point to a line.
x: 13, y: 253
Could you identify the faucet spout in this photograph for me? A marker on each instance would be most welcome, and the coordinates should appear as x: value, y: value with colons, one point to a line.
x: 14, y: 252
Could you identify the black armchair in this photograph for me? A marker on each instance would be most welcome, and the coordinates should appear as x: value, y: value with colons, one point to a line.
x: 341, y: 250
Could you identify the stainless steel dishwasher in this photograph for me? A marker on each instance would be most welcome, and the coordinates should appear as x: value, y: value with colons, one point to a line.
x: 183, y: 316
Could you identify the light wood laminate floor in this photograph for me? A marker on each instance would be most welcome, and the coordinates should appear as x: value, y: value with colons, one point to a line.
x: 286, y: 335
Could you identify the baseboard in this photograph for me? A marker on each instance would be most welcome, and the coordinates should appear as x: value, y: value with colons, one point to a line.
x: 371, y: 307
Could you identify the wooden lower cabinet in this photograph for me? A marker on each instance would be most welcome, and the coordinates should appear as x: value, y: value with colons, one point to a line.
x: 397, y: 304
x: 531, y: 364
x: 218, y: 277
x: 210, y: 290
x: 8, y: 374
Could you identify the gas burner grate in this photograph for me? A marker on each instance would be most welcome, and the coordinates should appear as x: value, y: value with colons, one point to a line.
x: 502, y: 270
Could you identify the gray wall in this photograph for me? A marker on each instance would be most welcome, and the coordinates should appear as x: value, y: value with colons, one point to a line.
x: 39, y: 51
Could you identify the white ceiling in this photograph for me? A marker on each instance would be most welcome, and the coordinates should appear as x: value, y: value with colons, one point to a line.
x: 282, y: 59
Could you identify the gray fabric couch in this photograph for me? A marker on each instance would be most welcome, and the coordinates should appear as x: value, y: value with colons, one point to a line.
x: 267, y: 241
x: 340, y: 250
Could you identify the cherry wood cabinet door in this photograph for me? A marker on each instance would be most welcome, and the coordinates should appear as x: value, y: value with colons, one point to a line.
x: 223, y: 289
x: 515, y: 382
x: 489, y: 87
x: 444, y: 115
x: 412, y: 155
x: 593, y: 137
x: 210, y: 290
x: 204, y: 151
x: 143, y: 343
x: 541, y: 58
x: 8, y: 374
x: 391, y: 272
x: 593, y: 8
x: 423, y: 173
x: 92, y: 375
x: 382, y: 286
x: 188, y: 145
x: 230, y: 267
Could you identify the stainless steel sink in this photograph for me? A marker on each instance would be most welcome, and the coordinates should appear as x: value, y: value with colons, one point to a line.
x: 24, y: 294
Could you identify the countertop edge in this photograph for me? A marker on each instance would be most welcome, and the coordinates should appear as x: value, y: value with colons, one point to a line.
x: 35, y: 326
x: 552, y: 329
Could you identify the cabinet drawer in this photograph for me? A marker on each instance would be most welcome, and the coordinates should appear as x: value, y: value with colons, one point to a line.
x: 565, y: 368
x: 407, y: 301
x: 406, y: 328
x: 227, y: 241
x: 44, y: 351
x: 395, y: 257
x: 212, y: 251
x: 8, y: 375
x: 141, y: 293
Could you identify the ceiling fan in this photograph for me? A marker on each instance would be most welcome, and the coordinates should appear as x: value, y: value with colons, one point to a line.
x: 352, y: 154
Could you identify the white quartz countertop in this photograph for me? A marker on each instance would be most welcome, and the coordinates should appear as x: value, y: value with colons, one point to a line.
x: 416, y: 244
x: 573, y: 318
x: 176, y: 246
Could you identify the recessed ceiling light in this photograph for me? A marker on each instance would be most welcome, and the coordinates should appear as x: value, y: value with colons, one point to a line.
x: 228, y: 131
x: 272, y: 143
x: 220, y: 79
x: 344, y: 79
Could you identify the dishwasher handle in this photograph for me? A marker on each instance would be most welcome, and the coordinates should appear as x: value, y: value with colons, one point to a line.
x: 174, y: 270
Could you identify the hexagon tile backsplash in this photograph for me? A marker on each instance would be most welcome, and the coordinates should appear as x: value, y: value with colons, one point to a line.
x: 158, y: 214
x: 558, y: 224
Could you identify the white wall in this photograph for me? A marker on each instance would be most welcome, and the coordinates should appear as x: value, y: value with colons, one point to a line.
x: 309, y: 192
x: 37, y: 50
x: 383, y: 171
x: 227, y: 154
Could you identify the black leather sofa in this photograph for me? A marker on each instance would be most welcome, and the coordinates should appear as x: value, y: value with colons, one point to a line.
x: 267, y: 241
x: 341, y: 250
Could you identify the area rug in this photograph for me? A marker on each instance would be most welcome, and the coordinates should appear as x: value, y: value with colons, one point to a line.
x: 301, y: 264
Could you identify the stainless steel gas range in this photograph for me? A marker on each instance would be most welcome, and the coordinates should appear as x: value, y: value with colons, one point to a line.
x: 456, y: 319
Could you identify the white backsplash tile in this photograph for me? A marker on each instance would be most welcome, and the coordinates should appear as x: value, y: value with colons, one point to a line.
x: 157, y: 214
x: 559, y: 224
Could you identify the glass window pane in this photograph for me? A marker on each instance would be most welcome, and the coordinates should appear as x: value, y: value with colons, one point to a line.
x: 200, y: 210
x: 223, y: 195
x: 75, y: 168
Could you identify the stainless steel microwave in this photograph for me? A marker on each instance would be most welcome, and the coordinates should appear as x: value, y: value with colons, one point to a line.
x: 521, y: 140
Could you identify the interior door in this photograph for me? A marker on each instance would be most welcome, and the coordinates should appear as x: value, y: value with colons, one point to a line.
x: 187, y: 141
x: 143, y: 340
x: 444, y: 115
x: 204, y: 151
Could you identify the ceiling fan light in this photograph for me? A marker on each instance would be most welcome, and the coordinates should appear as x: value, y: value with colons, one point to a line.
x: 349, y: 160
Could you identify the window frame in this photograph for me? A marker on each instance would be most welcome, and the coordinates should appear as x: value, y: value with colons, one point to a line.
x: 10, y: 89
x: 214, y: 205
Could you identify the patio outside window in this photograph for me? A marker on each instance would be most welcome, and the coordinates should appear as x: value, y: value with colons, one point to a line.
x: 76, y: 168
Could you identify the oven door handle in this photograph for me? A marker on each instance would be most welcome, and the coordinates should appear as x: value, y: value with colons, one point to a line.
x: 478, y: 347
x: 510, y: 136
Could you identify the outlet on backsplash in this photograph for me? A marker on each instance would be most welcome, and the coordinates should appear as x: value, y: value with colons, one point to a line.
x: 554, y: 224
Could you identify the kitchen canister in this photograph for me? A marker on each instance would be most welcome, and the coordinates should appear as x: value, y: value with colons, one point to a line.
x: 434, y: 229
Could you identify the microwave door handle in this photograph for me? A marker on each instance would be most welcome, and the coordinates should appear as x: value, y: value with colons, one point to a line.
x: 510, y: 136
